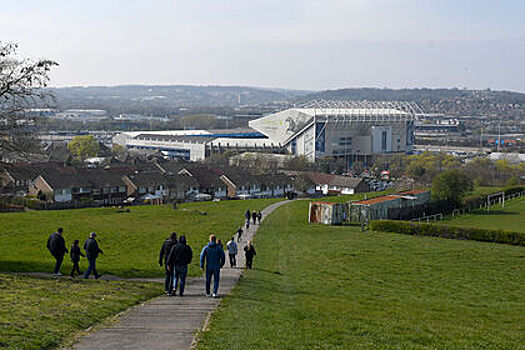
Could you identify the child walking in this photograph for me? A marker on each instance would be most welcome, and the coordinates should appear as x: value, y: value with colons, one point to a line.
x: 75, y: 255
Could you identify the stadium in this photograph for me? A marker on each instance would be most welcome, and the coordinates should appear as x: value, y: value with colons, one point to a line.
x: 315, y: 129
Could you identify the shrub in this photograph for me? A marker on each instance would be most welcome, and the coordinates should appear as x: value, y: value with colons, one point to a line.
x: 448, y: 231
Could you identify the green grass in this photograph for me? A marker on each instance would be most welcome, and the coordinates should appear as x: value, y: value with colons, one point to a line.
x: 44, y: 313
x: 511, y: 218
x: 131, y: 241
x: 322, y: 287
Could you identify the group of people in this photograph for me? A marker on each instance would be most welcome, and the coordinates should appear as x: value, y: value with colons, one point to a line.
x: 175, y: 255
x: 56, y: 245
x: 256, y: 216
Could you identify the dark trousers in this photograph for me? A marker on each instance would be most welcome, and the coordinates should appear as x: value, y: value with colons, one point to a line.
x: 168, y: 280
x: 75, y: 268
x: 180, y: 276
x: 249, y: 262
x: 233, y: 260
x: 216, y: 273
x: 92, y: 268
x: 58, y: 263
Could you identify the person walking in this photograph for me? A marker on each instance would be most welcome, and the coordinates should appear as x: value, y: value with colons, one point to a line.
x: 169, y: 243
x: 57, y: 247
x: 232, y: 252
x: 219, y: 243
x: 239, y: 234
x: 259, y: 216
x: 177, y: 261
x: 75, y: 254
x: 254, y: 217
x: 249, y: 252
x: 214, y: 258
x: 92, y: 250
x: 247, y: 224
x: 247, y: 214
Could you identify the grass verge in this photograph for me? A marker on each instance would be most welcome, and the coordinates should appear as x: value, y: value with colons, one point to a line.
x: 37, y: 313
x: 322, y: 287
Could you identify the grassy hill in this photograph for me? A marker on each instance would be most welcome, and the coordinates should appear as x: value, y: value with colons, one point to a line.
x: 322, y: 287
x: 131, y: 241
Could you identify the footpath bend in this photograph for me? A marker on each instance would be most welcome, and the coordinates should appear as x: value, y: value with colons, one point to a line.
x: 170, y: 322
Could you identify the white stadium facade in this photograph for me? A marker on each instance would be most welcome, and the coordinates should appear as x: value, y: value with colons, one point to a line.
x: 315, y: 129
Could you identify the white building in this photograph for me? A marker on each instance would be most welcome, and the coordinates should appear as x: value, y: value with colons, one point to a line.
x: 315, y: 130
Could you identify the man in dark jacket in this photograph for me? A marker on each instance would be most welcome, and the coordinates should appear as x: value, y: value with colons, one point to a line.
x: 214, y: 257
x: 178, y: 259
x: 57, y: 246
x: 92, y: 250
x: 170, y: 242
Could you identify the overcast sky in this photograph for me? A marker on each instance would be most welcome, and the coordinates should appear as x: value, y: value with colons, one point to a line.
x: 309, y: 44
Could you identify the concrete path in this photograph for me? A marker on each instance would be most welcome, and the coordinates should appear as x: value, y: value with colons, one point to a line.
x: 170, y: 322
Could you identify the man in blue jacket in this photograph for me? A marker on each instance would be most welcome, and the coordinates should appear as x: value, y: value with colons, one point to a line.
x: 214, y: 257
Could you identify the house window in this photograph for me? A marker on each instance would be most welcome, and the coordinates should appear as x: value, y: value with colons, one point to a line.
x: 383, y: 140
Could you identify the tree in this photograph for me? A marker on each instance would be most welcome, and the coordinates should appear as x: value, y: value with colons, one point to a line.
x: 22, y: 83
x: 84, y: 146
x: 452, y: 185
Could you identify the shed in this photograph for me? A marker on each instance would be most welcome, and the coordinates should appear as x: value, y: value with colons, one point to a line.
x: 327, y: 213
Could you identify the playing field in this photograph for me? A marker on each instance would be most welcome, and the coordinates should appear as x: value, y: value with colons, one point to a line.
x: 511, y: 217
x: 131, y: 241
x: 321, y: 287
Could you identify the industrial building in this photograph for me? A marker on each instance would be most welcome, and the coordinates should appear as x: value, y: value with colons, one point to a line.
x: 316, y: 129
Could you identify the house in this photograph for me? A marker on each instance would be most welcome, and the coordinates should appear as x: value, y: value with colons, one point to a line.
x: 312, y: 183
x: 69, y: 184
x: 163, y: 186
x: 16, y: 178
x: 209, y: 181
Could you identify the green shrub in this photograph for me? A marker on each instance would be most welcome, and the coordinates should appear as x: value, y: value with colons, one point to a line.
x: 447, y: 231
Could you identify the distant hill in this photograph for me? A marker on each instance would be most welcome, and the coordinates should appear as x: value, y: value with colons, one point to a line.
x: 169, y: 99
x: 447, y: 101
x: 165, y: 99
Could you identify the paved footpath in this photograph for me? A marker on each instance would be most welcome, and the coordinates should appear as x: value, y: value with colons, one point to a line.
x: 170, y: 322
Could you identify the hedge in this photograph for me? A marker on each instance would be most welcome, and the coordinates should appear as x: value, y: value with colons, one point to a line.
x: 448, y: 231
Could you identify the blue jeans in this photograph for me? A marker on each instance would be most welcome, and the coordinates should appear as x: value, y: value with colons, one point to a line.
x: 180, y: 275
x: 92, y: 268
x: 216, y: 273
x: 168, y: 281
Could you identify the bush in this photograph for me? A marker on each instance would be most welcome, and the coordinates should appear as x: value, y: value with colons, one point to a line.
x: 447, y: 231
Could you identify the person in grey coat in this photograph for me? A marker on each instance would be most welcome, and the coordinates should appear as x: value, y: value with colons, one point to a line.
x: 232, y: 252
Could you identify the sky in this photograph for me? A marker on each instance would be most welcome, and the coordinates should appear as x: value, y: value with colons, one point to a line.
x: 308, y: 44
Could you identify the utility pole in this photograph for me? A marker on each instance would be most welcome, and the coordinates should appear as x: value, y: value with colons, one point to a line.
x: 499, y: 133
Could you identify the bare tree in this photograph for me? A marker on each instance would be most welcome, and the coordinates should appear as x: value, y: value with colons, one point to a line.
x: 22, y: 87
